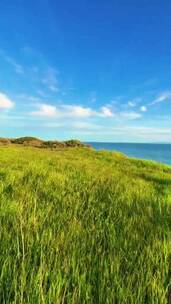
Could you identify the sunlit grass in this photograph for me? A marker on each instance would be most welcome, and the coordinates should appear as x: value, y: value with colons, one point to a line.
x: 79, y: 226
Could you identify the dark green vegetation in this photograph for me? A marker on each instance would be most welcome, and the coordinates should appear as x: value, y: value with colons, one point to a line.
x: 39, y: 143
x: 80, y: 226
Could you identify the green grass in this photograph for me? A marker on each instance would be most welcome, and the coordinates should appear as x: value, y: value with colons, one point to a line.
x: 79, y: 226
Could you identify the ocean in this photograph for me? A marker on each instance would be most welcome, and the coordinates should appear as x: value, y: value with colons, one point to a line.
x: 156, y: 152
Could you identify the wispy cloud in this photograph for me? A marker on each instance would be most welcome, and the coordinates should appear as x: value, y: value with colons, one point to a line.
x: 50, y: 79
x: 122, y: 133
x: 41, y: 93
x: 5, y: 102
x: 163, y: 97
x: 131, y: 104
x: 11, y: 61
x: 134, y: 102
x: 18, y: 67
x: 86, y: 126
x: 78, y: 125
x: 29, y: 99
x: 130, y: 115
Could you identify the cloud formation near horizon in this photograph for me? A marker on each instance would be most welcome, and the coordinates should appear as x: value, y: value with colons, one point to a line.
x: 73, y: 111
x: 41, y: 106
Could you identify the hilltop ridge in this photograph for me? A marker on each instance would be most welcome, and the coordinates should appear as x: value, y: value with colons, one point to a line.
x: 39, y: 143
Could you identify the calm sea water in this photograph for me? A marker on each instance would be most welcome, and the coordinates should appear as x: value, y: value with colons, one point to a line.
x: 157, y: 152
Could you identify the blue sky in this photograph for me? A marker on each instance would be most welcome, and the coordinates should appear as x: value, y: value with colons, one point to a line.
x: 96, y: 70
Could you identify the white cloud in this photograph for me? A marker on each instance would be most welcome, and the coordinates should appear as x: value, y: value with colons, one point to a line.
x: 77, y: 111
x: 80, y: 111
x: 5, y: 102
x: 106, y: 112
x: 143, y: 109
x: 71, y: 111
x: 45, y: 110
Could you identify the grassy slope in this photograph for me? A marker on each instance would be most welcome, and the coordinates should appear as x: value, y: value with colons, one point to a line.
x: 79, y: 226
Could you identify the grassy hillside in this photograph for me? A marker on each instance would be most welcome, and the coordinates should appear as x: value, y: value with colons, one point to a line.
x: 80, y: 226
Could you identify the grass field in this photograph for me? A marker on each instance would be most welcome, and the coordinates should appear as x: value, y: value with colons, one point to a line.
x: 80, y: 226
